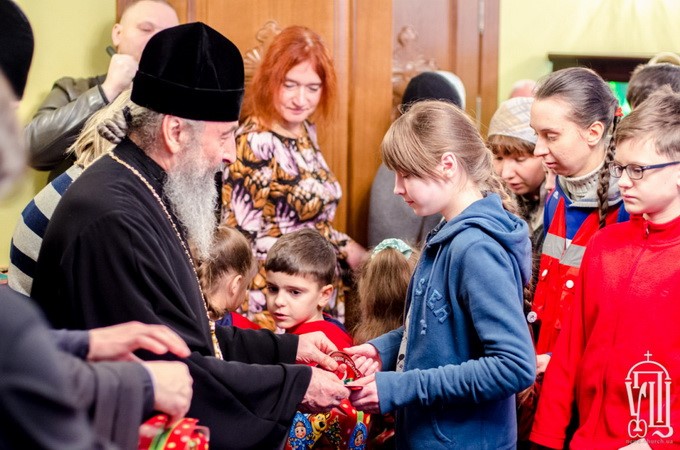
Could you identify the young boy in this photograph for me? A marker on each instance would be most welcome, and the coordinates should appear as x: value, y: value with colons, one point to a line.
x: 300, y: 269
x: 617, y: 358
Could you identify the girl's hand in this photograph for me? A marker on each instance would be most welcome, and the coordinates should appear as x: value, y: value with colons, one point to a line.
x: 365, y: 399
x: 366, y: 358
x: 366, y: 366
x: 542, y: 363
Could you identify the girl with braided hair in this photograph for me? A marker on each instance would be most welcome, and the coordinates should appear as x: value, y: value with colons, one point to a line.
x: 573, y: 115
x: 612, y: 381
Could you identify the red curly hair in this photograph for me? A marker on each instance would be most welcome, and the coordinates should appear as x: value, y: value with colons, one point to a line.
x: 294, y: 45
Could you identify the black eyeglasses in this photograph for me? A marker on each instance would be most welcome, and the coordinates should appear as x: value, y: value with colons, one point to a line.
x: 634, y: 171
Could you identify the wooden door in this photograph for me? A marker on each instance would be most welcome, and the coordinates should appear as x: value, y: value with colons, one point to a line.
x: 460, y: 35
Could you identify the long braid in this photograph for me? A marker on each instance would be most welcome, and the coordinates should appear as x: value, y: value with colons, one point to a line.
x: 603, y: 181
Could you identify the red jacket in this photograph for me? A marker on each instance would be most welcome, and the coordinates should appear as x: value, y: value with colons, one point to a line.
x: 618, y: 357
x: 560, y: 264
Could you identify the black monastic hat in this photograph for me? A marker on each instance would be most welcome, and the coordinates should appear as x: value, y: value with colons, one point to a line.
x: 190, y: 71
x: 430, y: 86
x: 16, y: 45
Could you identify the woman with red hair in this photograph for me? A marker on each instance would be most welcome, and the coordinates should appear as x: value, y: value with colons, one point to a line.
x: 280, y: 181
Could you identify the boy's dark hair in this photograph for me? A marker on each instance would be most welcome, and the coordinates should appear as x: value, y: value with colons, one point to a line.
x: 647, y: 78
x: 304, y: 252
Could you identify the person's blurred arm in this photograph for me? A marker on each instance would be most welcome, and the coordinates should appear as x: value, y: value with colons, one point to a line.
x: 118, y: 342
x: 37, y: 409
x: 355, y: 252
x: 60, y: 118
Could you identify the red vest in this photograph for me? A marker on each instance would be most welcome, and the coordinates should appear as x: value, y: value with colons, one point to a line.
x: 558, y: 273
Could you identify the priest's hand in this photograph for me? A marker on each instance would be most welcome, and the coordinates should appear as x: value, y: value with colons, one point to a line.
x: 116, y: 343
x: 365, y: 395
x: 324, y: 392
x: 366, y: 358
x: 172, y: 387
x: 314, y: 348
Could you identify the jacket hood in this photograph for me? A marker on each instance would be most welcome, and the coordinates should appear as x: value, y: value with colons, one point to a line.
x: 489, y: 216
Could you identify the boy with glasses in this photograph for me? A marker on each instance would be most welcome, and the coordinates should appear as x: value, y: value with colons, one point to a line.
x: 617, y: 357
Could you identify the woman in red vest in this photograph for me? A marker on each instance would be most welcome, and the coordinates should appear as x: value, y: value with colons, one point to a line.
x: 573, y: 115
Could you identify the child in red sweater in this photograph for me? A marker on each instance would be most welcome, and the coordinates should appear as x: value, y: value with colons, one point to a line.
x: 300, y: 269
x: 616, y: 360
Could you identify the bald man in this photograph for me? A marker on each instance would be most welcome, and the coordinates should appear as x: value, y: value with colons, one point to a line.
x: 72, y: 101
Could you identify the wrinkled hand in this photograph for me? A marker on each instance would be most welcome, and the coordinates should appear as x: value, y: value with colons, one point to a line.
x: 114, y: 129
x: 366, y: 358
x: 172, y: 387
x: 116, y: 343
x: 325, y: 391
x: 542, y: 362
x: 366, y: 399
x: 122, y: 69
x: 314, y: 348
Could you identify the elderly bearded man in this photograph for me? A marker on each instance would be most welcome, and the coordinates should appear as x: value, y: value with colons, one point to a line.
x: 117, y: 247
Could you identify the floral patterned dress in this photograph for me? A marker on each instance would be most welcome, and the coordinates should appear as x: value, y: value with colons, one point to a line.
x: 278, y: 185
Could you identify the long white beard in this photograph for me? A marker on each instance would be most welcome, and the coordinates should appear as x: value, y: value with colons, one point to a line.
x: 190, y: 188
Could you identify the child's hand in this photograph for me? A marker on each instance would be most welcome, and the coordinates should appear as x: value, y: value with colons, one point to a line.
x: 366, y: 358
x: 366, y: 366
x: 365, y: 399
x: 542, y: 363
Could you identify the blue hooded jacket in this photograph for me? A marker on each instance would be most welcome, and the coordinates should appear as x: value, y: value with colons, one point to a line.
x: 468, y: 349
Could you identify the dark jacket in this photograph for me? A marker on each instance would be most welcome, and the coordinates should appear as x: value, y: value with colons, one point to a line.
x: 59, y: 120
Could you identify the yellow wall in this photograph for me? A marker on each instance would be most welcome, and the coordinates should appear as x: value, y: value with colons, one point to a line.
x: 530, y: 29
x: 70, y: 39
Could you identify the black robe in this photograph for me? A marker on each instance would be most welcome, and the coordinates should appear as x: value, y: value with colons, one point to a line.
x: 110, y: 255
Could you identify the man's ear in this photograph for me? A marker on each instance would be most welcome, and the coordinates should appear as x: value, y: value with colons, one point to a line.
x: 594, y: 133
x: 325, y: 295
x: 115, y: 35
x: 171, y: 130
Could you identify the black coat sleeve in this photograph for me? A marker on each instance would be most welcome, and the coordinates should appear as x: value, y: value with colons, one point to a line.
x: 257, y: 346
x: 60, y: 118
x: 37, y: 409
x: 74, y: 342
x: 118, y: 396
